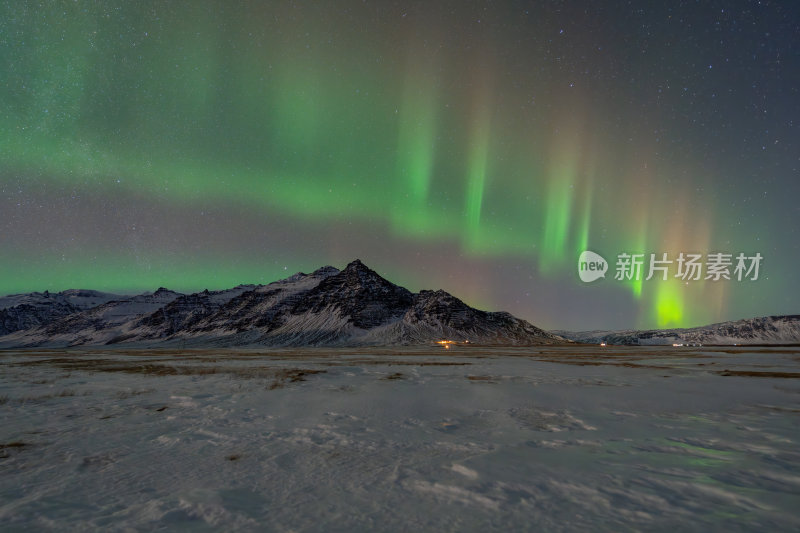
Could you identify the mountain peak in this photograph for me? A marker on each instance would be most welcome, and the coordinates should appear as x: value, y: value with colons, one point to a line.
x: 356, y: 264
x: 357, y: 273
x: 358, y: 270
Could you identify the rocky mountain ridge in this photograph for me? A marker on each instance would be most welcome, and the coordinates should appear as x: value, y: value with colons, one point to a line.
x: 329, y: 307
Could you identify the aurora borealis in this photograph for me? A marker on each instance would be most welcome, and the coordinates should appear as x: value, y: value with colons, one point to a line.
x: 477, y: 147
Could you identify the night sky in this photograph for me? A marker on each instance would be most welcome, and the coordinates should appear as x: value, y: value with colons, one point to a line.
x: 472, y: 146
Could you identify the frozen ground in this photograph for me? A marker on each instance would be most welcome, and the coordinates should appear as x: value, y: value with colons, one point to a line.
x: 586, y: 438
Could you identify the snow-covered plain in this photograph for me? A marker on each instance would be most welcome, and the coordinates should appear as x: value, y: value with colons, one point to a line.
x: 550, y: 439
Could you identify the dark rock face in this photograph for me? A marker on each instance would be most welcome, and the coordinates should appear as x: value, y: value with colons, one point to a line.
x: 328, y: 307
x: 456, y: 320
x: 180, y: 313
x: 444, y: 308
x: 27, y: 316
x: 252, y: 310
x: 358, y: 293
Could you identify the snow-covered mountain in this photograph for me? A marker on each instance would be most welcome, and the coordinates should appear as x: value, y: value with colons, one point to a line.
x: 783, y: 329
x: 96, y: 325
x: 26, y: 311
x: 329, y: 307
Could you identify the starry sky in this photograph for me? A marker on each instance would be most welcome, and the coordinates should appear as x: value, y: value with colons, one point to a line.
x: 473, y: 146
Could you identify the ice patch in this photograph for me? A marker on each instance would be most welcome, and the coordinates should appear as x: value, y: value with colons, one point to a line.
x: 464, y: 471
x: 453, y: 494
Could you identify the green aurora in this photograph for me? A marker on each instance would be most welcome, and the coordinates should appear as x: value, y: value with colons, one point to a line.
x: 501, y: 135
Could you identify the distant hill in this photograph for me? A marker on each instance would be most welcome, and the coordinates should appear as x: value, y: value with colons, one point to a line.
x: 782, y: 329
